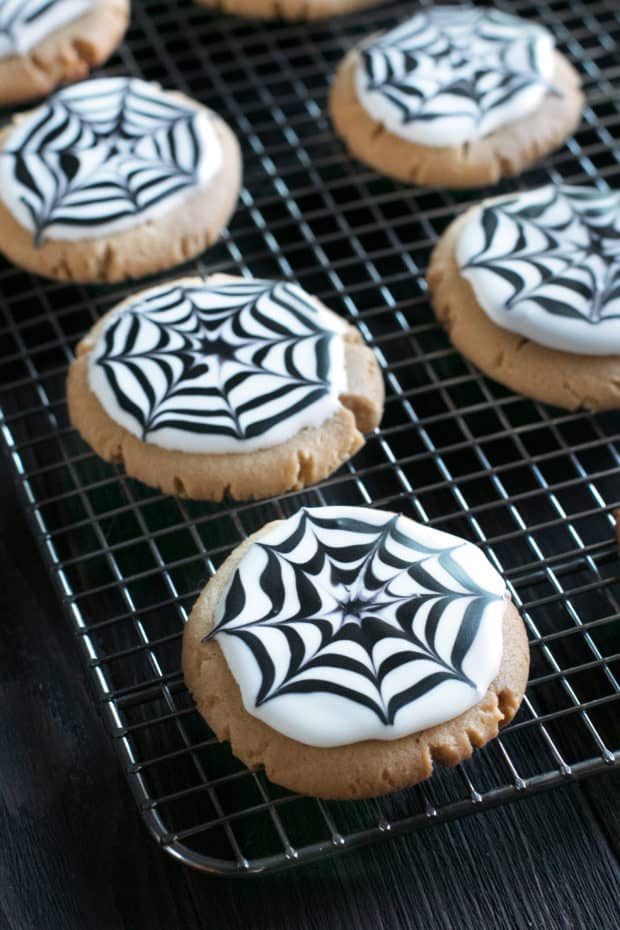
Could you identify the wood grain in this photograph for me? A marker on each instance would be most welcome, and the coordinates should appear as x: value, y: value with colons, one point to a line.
x: 74, y: 852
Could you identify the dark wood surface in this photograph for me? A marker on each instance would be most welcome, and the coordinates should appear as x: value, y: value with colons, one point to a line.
x: 74, y: 852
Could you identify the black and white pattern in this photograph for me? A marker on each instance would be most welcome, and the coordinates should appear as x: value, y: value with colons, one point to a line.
x: 225, y: 367
x: 546, y: 264
x: 24, y: 23
x: 104, y: 155
x: 346, y: 623
x: 451, y: 75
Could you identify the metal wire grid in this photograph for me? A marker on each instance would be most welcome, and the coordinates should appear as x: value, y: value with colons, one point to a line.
x: 534, y: 487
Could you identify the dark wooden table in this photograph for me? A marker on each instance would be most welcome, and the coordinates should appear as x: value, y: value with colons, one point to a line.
x: 74, y: 852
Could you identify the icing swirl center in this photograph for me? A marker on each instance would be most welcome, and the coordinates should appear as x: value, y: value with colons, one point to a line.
x: 451, y: 75
x: 105, y: 155
x: 215, y: 368
x: 343, y: 624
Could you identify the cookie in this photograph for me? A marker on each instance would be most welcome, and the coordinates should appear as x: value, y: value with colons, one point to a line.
x: 457, y: 97
x: 46, y: 43
x: 348, y: 649
x: 527, y: 286
x: 224, y: 386
x: 287, y: 9
x: 114, y: 178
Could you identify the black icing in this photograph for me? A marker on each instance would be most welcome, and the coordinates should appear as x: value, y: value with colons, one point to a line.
x: 230, y: 329
x: 577, y: 270
x: 367, y: 611
x: 393, y: 63
x: 102, y: 151
x: 22, y: 13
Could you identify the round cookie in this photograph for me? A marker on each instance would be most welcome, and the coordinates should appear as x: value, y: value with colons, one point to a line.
x: 456, y: 97
x: 46, y: 43
x: 287, y: 9
x: 347, y: 649
x: 549, y: 270
x: 224, y: 386
x: 114, y: 178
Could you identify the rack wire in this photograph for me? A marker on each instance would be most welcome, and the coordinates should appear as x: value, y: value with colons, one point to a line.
x: 534, y: 487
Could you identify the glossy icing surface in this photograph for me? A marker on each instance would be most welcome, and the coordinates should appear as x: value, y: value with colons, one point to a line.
x: 343, y: 624
x: 450, y: 75
x: 546, y: 264
x: 105, y: 155
x: 217, y: 368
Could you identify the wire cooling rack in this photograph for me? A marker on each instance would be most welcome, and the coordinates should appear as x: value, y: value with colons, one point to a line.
x: 535, y: 487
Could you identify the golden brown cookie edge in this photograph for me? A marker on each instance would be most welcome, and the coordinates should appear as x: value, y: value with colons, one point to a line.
x: 65, y: 55
x: 564, y: 379
x: 308, y: 457
x: 503, y: 153
x: 360, y: 770
x: 152, y: 246
x: 291, y: 10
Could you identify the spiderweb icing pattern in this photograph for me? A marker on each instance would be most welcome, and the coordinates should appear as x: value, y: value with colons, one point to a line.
x: 546, y: 264
x: 374, y: 612
x: 219, y: 367
x: 103, y: 155
x: 450, y: 75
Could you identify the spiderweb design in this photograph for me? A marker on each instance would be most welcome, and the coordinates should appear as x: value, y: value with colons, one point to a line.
x: 105, y: 151
x: 232, y: 361
x: 558, y: 247
x: 350, y: 602
x: 452, y: 63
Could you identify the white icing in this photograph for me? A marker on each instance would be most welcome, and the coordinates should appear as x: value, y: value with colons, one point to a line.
x: 103, y: 156
x: 25, y: 23
x: 283, y: 626
x: 546, y: 264
x: 451, y: 75
x: 219, y: 368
